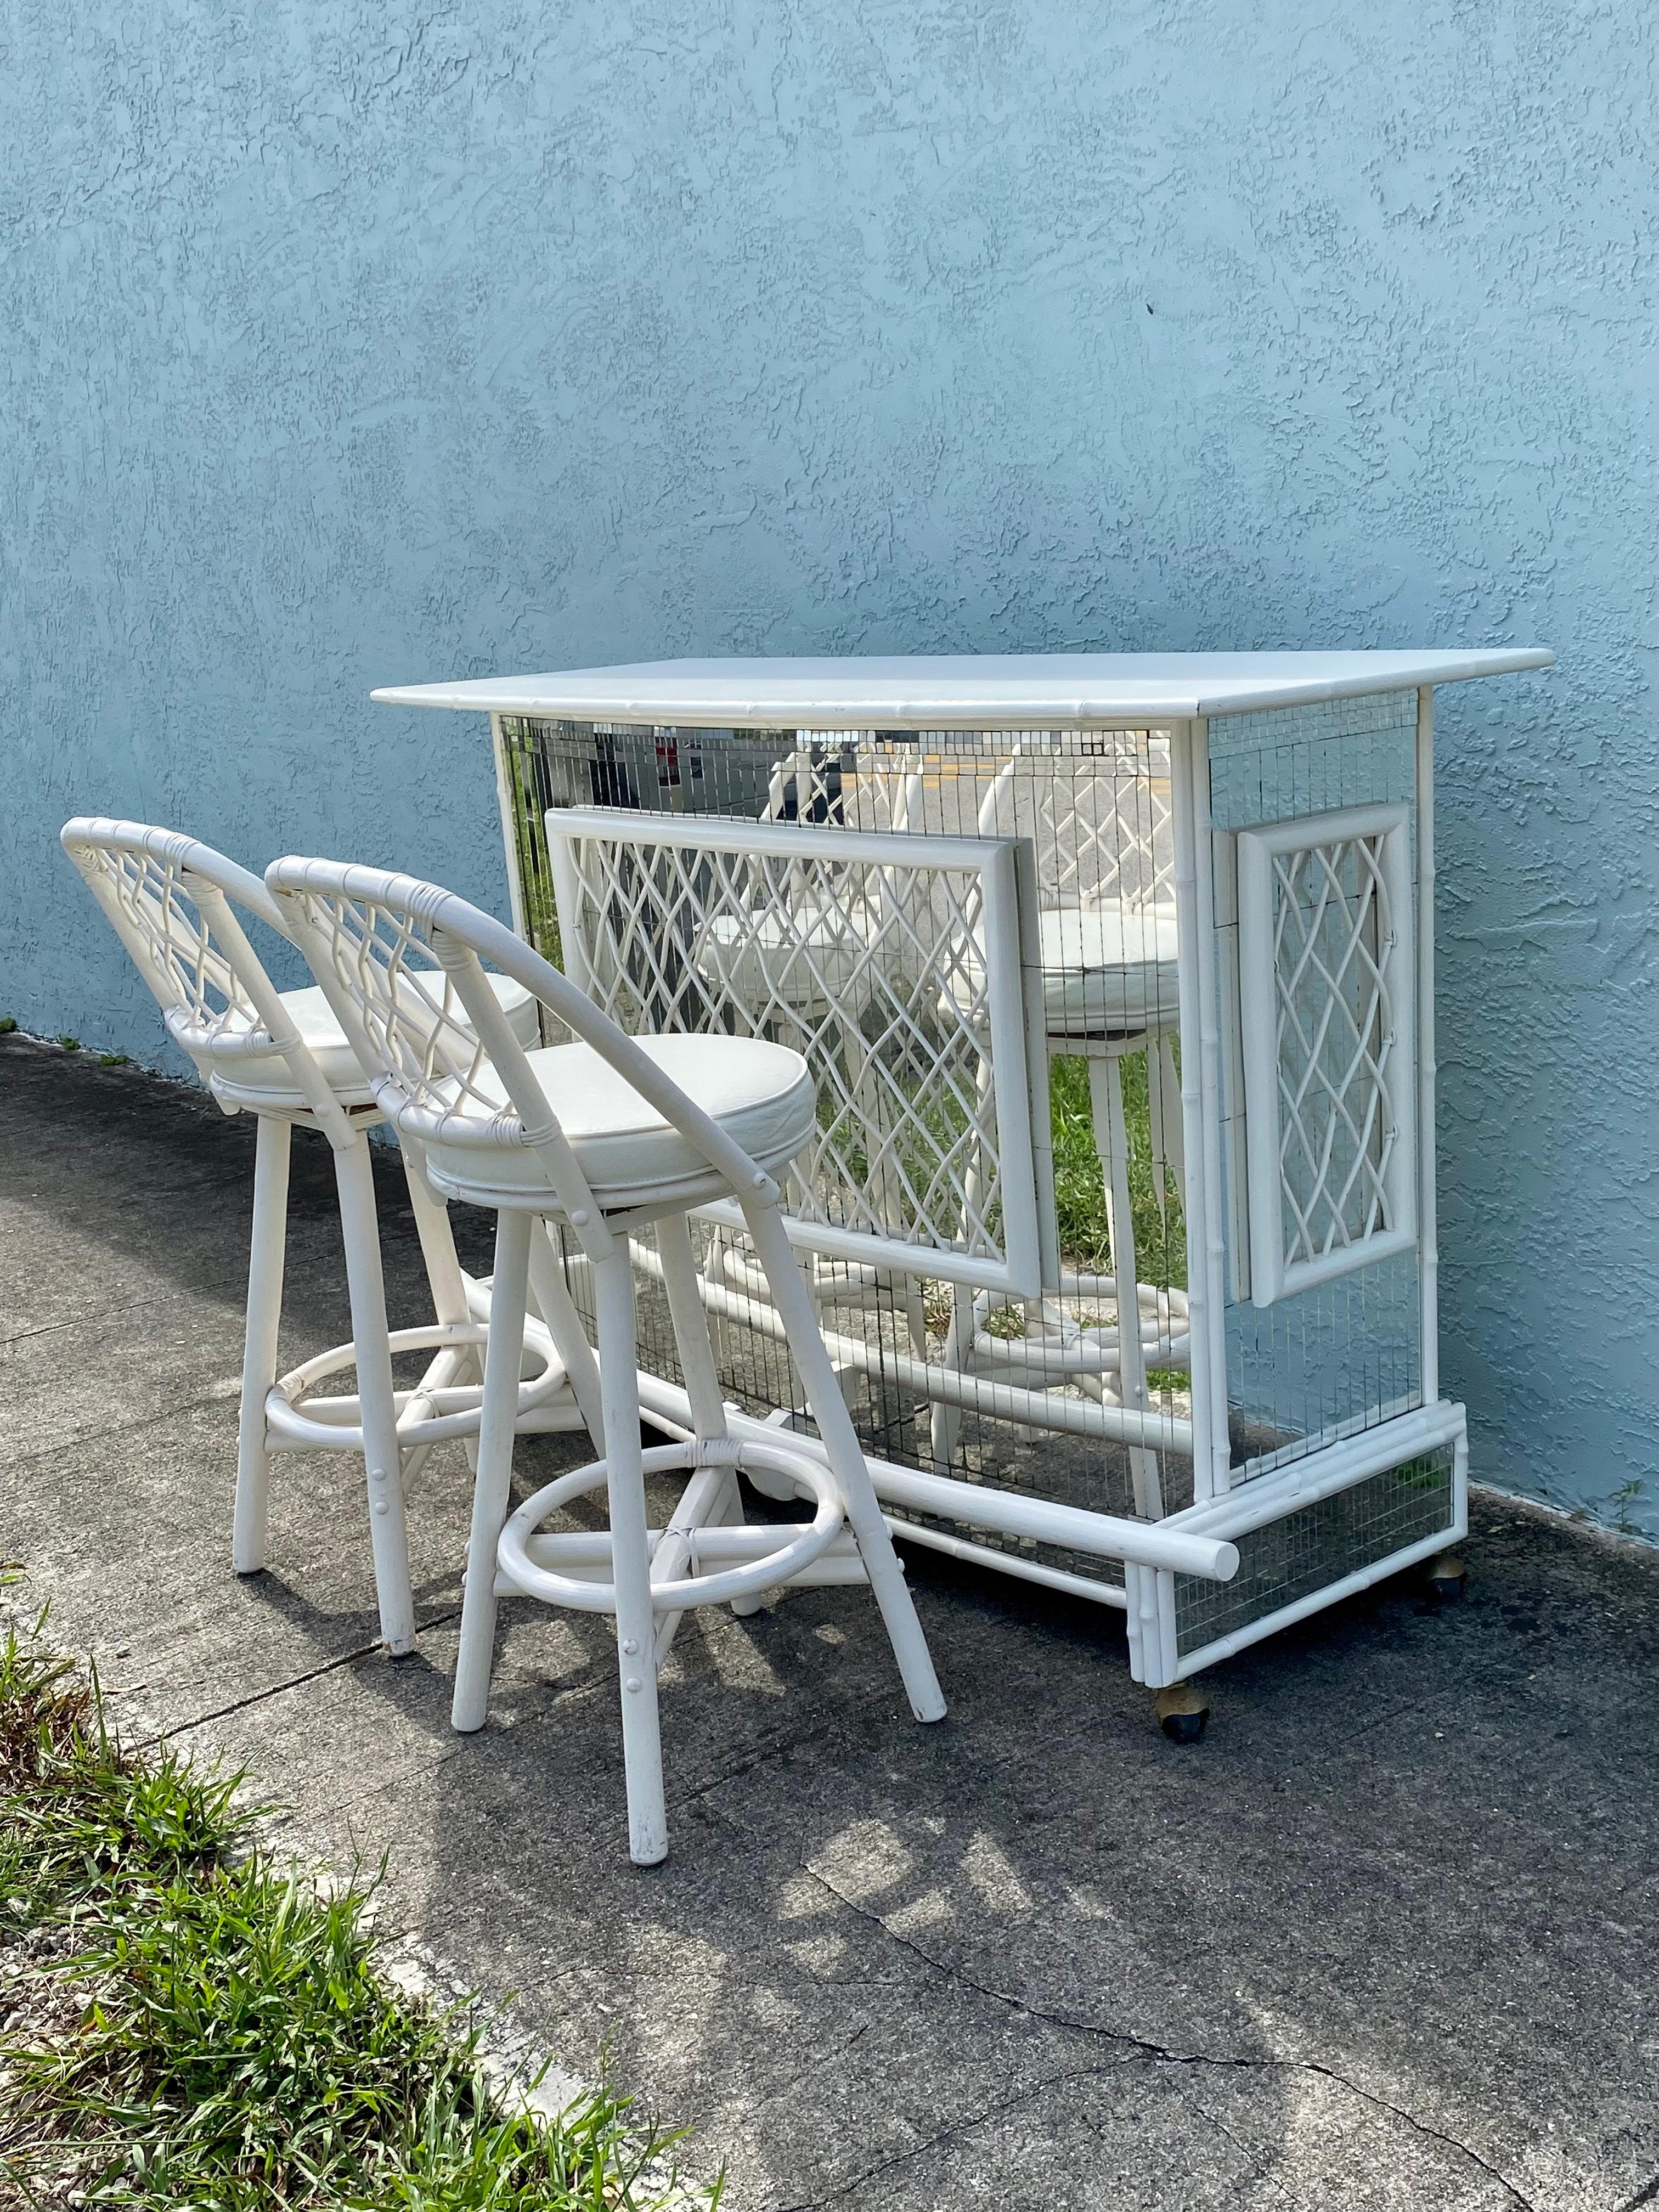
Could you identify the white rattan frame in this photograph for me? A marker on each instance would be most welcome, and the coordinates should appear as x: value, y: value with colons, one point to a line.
x: 172, y: 901
x: 1217, y: 1132
x: 1326, y: 989
x: 387, y: 951
x: 821, y: 936
x: 1154, y: 1657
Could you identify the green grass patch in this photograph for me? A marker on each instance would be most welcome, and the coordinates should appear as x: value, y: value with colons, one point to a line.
x: 7, y: 1024
x: 1081, y: 1183
x: 192, y: 2025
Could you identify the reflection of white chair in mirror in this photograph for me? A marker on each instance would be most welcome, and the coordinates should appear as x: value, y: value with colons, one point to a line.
x: 804, y: 952
x: 281, y: 1056
x: 1105, y: 862
x: 603, y: 1136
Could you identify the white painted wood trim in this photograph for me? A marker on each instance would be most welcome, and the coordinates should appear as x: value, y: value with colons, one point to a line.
x: 1427, y: 1204
x: 509, y: 826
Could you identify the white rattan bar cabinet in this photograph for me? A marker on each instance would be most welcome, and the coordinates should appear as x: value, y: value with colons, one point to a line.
x: 281, y: 1056
x: 1230, y: 860
x: 601, y: 1135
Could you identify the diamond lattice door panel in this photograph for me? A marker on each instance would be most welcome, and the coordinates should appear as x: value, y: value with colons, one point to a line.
x: 890, y: 962
x: 1326, y: 966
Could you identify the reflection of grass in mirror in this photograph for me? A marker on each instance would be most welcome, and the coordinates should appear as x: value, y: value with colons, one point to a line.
x: 918, y: 1098
x: 1080, y: 1185
x: 541, y: 920
x: 937, y: 1120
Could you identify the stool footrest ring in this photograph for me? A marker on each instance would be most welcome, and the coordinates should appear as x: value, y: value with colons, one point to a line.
x: 435, y: 1410
x: 761, y: 1560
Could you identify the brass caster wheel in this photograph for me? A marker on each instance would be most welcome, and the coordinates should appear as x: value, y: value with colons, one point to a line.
x: 1447, y: 1578
x: 1182, y: 1711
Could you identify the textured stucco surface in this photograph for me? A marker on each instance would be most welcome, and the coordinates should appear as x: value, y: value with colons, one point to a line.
x: 393, y: 342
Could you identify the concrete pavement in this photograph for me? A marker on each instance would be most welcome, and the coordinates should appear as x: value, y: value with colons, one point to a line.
x: 1387, y: 1938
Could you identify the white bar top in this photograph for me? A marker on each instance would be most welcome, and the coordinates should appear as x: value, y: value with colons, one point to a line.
x: 992, y: 690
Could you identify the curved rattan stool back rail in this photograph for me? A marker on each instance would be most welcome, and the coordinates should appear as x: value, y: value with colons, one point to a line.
x: 601, y: 1134
x: 280, y: 1055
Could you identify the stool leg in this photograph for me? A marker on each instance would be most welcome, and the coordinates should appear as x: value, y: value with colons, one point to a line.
x: 492, y: 1488
x: 449, y: 1303
x: 712, y: 1492
x: 444, y: 1279
x: 1112, y: 1143
x: 630, y: 1555
x: 564, y: 1325
x: 945, y: 1430
x: 354, y: 1174
x: 266, y: 1253
x: 841, y: 1441
x: 443, y: 1269
x: 377, y: 1410
x: 685, y: 1313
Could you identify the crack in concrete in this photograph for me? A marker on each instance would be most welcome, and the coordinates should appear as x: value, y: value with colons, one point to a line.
x: 956, y: 2128
x: 218, y: 1393
x: 293, y: 1683
x: 1646, y: 2196
x: 786, y: 1742
x: 49, y: 1329
x: 199, y: 1285
x: 1263, y: 2175
x: 758, y: 1756
x: 813, y: 2070
x: 1159, y: 2054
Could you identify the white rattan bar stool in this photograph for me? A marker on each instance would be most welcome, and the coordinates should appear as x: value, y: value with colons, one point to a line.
x: 281, y: 1056
x: 604, y: 1134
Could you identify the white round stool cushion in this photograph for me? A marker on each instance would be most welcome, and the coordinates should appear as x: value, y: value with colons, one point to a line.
x: 762, y: 1094
x: 1109, y: 969
x: 810, y: 961
x: 262, y: 1079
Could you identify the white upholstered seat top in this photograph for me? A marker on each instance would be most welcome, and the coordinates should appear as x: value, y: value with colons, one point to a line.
x: 762, y: 1094
x: 811, y: 959
x: 262, y: 1079
x: 1108, y: 969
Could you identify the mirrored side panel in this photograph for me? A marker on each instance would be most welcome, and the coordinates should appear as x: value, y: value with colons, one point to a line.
x: 1313, y: 851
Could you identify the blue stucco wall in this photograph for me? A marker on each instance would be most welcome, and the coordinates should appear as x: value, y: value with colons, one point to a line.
x: 391, y: 341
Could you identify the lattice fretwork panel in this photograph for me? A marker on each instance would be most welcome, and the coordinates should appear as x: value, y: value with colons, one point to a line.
x: 1327, y: 952
x: 890, y: 962
x: 1100, y: 837
x: 408, y: 1008
x: 171, y: 937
